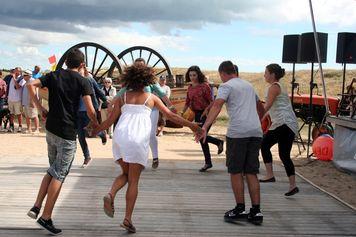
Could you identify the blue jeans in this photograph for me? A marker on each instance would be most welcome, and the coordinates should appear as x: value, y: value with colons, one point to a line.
x: 83, y: 121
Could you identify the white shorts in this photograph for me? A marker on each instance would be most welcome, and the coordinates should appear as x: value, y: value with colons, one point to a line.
x: 15, y: 107
x: 30, y: 112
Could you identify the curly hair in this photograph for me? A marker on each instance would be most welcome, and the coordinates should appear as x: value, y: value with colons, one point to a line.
x: 201, y: 76
x: 137, y: 77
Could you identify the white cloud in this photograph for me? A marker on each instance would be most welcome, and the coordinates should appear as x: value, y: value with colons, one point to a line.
x: 341, y: 13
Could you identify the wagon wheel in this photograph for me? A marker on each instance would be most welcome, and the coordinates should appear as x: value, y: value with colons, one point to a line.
x: 151, y: 56
x: 98, y: 59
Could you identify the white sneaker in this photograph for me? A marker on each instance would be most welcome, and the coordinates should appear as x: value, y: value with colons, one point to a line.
x: 19, y: 129
x: 36, y: 132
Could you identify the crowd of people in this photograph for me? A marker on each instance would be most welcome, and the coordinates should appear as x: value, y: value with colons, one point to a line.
x: 131, y: 118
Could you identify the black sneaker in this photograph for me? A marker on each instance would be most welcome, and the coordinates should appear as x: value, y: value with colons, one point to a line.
x: 104, y: 139
x: 220, y: 147
x: 33, y: 212
x: 255, y: 217
x: 235, y: 215
x: 48, y: 225
x: 155, y: 163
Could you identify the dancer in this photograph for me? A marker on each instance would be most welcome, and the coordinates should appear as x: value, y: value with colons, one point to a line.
x: 243, y: 140
x: 157, y: 90
x: 83, y: 119
x: 64, y: 90
x: 198, y: 100
x: 283, y: 129
x: 132, y: 135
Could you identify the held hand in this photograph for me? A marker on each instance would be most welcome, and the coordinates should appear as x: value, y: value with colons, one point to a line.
x: 173, y: 109
x: 200, y: 135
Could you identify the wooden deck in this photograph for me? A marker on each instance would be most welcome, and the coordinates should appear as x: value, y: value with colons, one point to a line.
x: 174, y: 200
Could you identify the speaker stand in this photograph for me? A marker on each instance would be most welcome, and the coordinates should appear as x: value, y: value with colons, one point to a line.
x: 310, y: 114
x: 298, y: 139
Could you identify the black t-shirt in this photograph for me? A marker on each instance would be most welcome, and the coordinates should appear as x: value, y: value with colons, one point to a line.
x: 64, y: 90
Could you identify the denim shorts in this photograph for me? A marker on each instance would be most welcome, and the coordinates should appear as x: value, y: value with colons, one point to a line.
x: 242, y: 155
x: 61, y: 154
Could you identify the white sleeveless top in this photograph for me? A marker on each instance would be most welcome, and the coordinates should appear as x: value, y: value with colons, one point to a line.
x: 132, y: 133
x: 281, y: 111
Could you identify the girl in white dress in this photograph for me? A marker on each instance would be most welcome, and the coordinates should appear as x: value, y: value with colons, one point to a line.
x: 132, y: 135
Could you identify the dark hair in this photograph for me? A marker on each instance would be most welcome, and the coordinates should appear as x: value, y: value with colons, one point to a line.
x: 74, y: 58
x: 137, y: 77
x: 201, y: 76
x: 236, y: 69
x: 278, y: 71
x: 228, y: 67
x: 140, y: 60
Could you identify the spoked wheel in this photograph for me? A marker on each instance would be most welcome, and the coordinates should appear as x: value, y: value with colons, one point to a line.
x: 100, y: 61
x: 151, y: 56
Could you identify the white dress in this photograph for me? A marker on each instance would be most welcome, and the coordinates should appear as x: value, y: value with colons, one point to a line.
x: 132, y: 133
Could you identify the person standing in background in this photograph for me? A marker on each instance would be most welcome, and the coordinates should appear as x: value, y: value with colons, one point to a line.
x: 36, y: 72
x: 109, y: 92
x: 29, y: 106
x: 161, y: 118
x: 14, y: 99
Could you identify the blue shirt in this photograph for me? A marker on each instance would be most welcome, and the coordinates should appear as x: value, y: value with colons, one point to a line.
x: 154, y: 88
x: 97, y: 92
x: 36, y: 75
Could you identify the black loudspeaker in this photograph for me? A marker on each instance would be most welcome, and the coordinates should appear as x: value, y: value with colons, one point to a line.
x: 346, y: 48
x: 307, y: 49
x: 290, y: 49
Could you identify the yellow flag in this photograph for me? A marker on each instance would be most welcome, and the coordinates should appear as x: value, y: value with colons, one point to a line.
x: 53, y: 67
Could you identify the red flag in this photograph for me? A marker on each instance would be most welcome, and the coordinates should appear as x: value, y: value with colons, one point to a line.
x: 52, y: 59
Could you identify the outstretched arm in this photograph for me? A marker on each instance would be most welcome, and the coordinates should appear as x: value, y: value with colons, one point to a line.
x: 116, y: 112
x: 174, y: 117
x: 213, y: 113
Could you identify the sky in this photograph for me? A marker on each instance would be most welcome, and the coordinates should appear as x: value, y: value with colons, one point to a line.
x: 184, y: 32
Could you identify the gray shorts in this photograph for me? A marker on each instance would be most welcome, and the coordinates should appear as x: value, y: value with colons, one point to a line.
x: 242, y: 155
x: 60, y: 154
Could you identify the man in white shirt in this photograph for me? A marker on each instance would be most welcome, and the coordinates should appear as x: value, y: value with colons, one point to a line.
x: 14, y: 99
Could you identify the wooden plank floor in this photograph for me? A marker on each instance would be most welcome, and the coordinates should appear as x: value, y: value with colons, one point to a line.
x: 174, y: 200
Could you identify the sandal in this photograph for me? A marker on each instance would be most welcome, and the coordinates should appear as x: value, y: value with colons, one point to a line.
x: 109, y: 205
x: 128, y: 226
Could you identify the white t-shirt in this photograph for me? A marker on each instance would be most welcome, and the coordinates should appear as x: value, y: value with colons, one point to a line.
x: 25, y: 94
x: 240, y: 98
x: 15, y: 94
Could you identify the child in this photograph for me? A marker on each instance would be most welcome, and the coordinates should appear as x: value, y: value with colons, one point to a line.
x: 64, y: 90
x: 132, y: 136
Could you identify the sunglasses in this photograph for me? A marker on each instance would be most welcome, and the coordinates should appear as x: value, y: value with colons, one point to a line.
x: 107, y: 82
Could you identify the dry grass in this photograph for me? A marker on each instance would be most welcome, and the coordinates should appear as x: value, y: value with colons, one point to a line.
x: 333, y: 80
